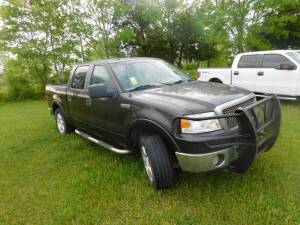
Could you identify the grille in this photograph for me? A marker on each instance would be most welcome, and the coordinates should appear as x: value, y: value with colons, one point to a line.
x: 232, y: 121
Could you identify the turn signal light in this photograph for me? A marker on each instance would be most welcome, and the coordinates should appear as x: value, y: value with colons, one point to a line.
x: 185, y: 123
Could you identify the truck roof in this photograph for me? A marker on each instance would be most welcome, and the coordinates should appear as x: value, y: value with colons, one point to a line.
x: 117, y: 60
x: 269, y: 51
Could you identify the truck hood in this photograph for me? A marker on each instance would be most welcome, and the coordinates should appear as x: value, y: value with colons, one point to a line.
x: 191, y: 97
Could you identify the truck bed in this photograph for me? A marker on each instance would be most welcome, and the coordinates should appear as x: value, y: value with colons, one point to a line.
x: 57, y: 92
x: 56, y: 88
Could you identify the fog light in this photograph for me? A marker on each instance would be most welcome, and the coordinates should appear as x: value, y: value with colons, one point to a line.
x: 218, y: 160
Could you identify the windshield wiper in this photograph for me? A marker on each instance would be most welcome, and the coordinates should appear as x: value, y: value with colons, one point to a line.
x: 142, y: 87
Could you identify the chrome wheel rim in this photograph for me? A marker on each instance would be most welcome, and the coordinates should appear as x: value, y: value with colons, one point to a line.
x: 147, y: 164
x: 60, y: 123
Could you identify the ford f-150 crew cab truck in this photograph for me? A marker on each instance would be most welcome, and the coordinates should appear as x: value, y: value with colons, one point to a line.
x: 147, y: 105
x: 267, y: 72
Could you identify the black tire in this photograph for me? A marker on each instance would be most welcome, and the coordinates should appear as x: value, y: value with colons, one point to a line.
x: 153, y: 150
x: 63, y: 126
x: 216, y: 80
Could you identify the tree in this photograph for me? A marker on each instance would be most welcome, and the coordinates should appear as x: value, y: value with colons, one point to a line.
x: 101, y: 16
x: 237, y: 16
x: 36, y: 32
x: 142, y: 17
x: 217, y: 46
x: 168, y: 29
x: 280, y: 29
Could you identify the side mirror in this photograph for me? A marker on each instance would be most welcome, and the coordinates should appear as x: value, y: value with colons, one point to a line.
x: 287, y: 66
x: 100, y: 91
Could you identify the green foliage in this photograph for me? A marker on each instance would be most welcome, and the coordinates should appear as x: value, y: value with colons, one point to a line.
x: 3, y: 89
x: 280, y: 29
x: 19, y: 79
x: 49, y: 36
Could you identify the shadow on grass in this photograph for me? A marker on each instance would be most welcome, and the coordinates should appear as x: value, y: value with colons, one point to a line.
x: 217, y: 182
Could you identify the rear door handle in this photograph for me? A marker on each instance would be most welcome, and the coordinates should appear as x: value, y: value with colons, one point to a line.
x: 88, y: 101
x: 260, y: 73
x: 236, y: 73
x: 69, y: 98
x: 70, y: 95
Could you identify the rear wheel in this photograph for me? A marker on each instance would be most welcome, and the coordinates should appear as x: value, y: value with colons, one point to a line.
x: 157, y: 161
x: 62, y: 125
x: 216, y: 80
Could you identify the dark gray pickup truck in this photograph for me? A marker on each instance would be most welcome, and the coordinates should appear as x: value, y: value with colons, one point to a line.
x: 147, y: 105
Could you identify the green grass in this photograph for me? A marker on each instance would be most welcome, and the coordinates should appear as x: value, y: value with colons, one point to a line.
x: 46, y: 178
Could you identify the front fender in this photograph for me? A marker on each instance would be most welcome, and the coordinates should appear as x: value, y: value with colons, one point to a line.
x: 148, y: 123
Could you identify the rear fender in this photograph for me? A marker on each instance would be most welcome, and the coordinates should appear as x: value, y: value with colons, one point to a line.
x: 57, y: 102
x: 207, y: 76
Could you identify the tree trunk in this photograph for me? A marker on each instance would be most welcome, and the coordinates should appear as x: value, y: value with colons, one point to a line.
x: 180, y: 56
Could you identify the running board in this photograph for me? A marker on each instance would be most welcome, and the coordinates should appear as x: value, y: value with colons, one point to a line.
x: 280, y: 97
x: 102, y: 143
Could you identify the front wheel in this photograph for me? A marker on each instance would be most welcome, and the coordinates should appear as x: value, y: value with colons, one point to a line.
x: 157, y: 161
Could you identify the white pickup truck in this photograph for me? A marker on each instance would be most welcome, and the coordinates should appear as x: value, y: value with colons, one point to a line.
x: 265, y: 72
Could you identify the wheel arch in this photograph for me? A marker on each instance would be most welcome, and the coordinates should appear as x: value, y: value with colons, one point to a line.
x: 56, y: 105
x: 216, y: 80
x: 145, y: 125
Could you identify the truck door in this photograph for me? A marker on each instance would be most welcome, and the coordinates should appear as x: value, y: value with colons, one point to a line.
x: 244, y: 72
x: 77, y: 95
x: 272, y: 79
x: 105, y: 116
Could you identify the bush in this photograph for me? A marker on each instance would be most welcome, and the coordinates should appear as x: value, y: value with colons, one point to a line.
x: 3, y: 89
x: 190, y: 66
x: 3, y: 95
x: 190, y: 69
x: 19, y: 84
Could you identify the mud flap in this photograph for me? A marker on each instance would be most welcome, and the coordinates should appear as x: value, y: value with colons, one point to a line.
x: 260, y: 123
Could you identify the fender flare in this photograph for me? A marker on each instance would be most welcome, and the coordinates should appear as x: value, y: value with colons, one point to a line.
x: 67, y: 117
x: 157, y: 127
x: 56, y: 101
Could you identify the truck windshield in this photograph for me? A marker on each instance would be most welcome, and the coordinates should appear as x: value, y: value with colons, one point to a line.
x: 136, y: 75
x: 295, y: 56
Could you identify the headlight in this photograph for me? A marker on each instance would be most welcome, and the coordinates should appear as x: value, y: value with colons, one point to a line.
x: 194, y: 127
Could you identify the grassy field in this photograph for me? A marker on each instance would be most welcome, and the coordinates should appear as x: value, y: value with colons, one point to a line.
x: 46, y: 178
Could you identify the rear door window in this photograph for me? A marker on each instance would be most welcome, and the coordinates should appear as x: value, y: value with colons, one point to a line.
x: 79, y: 76
x: 248, y: 61
x: 273, y: 61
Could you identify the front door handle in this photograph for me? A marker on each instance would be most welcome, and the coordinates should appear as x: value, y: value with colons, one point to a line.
x: 236, y: 73
x: 260, y: 73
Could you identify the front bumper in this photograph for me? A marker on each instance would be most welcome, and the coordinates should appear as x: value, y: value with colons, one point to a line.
x: 207, y: 161
x: 258, y: 129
